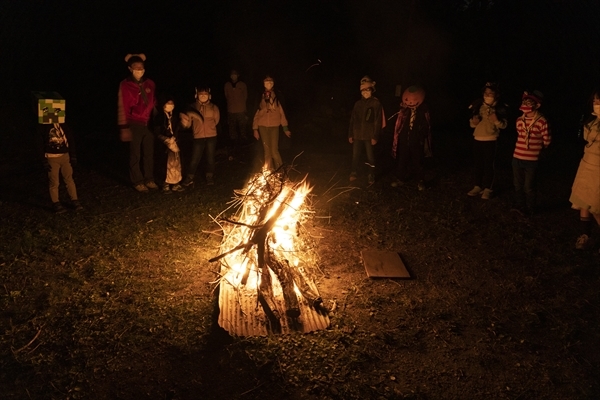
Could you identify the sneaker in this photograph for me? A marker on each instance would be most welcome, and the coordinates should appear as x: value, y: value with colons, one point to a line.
x: 151, y: 185
x: 421, y: 186
x: 188, y: 181
x: 177, y: 188
x: 58, y: 208
x: 487, y: 194
x: 77, y: 205
x: 353, y: 177
x: 166, y: 188
x: 475, y: 191
x: 141, y: 188
x: 583, y: 242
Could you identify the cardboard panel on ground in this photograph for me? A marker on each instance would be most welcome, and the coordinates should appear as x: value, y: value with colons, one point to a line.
x: 384, y: 264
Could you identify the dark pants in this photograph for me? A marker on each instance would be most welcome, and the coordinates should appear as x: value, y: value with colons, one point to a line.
x: 409, y: 158
x: 198, y: 149
x: 237, y: 126
x: 237, y: 131
x: 484, y: 156
x: 141, y: 148
x: 525, y: 183
x: 357, y: 150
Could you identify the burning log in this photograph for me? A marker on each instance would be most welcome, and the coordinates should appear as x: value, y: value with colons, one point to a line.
x: 264, y: 256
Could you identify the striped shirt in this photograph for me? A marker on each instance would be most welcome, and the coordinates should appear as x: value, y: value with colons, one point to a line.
x: 533, y: 136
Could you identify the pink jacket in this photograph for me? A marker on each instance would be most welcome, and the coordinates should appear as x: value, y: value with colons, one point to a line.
x: 136, y: 102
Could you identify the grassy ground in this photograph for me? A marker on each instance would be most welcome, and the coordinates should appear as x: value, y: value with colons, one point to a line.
x: 117, y: 301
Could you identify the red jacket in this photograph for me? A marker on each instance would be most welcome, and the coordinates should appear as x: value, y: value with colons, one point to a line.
x: 136, y: 101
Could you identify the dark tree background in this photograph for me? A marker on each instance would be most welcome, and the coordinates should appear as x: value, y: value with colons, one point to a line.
x: 450, y: 46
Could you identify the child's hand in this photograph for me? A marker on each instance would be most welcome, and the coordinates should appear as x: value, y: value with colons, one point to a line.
x: 256, y: 135
x: 288, y: 133
x: 475, y: 120
x: 373, y: 142
x: 351, y: 140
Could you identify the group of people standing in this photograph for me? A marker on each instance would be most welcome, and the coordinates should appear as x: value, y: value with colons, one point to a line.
x: 139, y: 114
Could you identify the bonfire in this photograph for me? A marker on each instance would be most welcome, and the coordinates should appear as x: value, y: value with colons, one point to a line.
x: 268, y: 261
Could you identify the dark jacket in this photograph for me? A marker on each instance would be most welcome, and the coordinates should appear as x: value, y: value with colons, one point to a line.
x: 420, y: 132
x: 161, y: 126
x: 366, y: 119
x: 55, y: 141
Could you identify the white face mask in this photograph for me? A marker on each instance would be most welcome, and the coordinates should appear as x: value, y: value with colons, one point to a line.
x: 596, y: 109
x: 268, y: 85
x: 169, y: 107
x: 489, y: 100
x: 203, y: 98
x: 138, y: 73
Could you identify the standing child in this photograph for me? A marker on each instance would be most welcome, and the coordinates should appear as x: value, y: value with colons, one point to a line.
x: 166, y: 129
x: 488, y: 118
x: 203, y: 116
x: 412, y: 137
x: 533, y: 136
x: 58, y: 149
x: 136, y: 103
x: 267, y: 120
x: 366, y: 122
x: 585, y: 194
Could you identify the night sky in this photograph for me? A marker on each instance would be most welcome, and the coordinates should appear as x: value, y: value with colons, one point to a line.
x: 452, y: 47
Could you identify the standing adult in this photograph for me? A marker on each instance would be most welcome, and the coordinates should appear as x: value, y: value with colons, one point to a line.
x: 135, y: 105
x: 236, y: 94
x: 203, y: 116
x: 268, y: 118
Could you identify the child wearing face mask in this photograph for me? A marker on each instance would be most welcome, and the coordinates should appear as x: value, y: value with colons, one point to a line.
x: 533, y: 136
x: 488, y: 118
x: 136, y: 102
x: 268, y: 118
x: 166, y: 129
x: 585, y: 194
x: 366, y: 122
x: 203, y: 117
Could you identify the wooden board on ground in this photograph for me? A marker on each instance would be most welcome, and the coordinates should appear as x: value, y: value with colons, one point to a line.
x: 384, y: 264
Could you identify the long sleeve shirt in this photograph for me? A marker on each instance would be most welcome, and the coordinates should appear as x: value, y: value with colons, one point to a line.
x: 533, y: 136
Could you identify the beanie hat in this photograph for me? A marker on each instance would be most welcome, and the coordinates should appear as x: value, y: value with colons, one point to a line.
x: 366, y: 83
x: 133, y: 58
x: 536, y: 96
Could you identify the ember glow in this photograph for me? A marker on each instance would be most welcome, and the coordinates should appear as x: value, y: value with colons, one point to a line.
x: 268, y: 261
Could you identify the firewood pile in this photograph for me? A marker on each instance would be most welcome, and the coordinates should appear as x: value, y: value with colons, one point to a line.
x: 268, y: 261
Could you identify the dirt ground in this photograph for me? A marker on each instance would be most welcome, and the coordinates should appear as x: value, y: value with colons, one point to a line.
x: 117, y: 301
